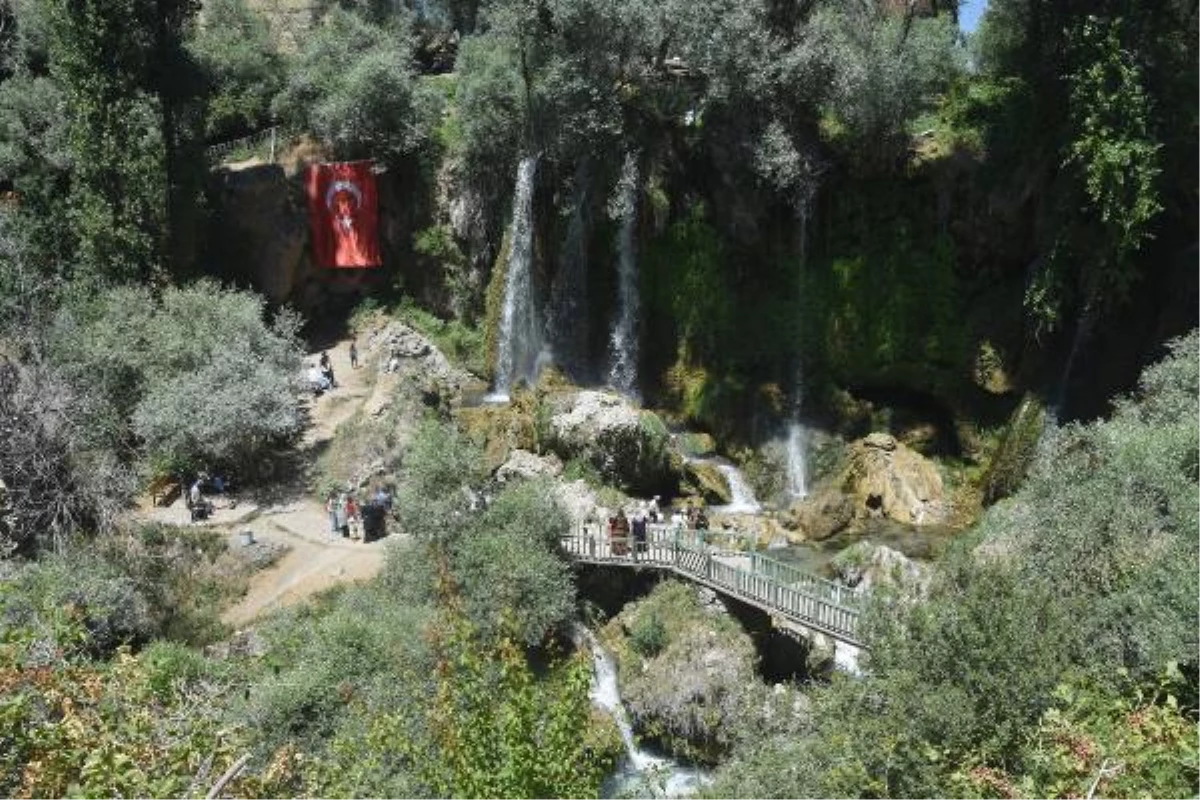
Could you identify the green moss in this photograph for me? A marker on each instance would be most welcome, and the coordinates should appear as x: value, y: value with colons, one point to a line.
x: 1017, y: 449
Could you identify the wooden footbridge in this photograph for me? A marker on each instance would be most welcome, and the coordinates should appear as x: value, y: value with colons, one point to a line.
x: 790, y: 595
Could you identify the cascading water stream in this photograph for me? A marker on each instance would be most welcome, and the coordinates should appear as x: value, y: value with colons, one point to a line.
x: 742, y: 499
x: 670, y: 778
x: 520, y: 347
x: 797, y: 436
x: 623, y: 340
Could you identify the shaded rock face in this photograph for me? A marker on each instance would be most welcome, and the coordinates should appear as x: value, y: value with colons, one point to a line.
x: 627, y: 446
x: 264, y: 227
x: 885, y: 478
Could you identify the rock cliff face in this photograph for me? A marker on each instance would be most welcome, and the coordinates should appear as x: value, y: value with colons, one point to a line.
x: 263, y: 228
x: 883, y: 479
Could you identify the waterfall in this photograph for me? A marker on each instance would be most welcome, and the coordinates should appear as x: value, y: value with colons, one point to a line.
x: 521, y: 349
x: 797, y: 466
x: 567, y: 322
x: 664, y: 774
x: 623, y: 340
x: 797, y: 436
x: 742, y: 499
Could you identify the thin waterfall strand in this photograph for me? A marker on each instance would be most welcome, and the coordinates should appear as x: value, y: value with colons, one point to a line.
x: 520, y: 345
x: 623, y: 340
x: 797, y: 437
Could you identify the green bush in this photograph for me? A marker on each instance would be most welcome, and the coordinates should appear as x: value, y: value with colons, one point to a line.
x: 648, y: 635
x: 244, y: 71
x: 195, y: 377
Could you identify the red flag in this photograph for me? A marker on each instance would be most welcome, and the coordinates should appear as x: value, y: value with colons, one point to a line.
x: 343, y: 210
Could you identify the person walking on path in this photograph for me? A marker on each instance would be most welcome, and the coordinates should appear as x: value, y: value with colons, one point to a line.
x: 353, y: 354
x: 331, y: 510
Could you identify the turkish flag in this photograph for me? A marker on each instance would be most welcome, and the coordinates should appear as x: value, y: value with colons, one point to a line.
x: 343, y: 210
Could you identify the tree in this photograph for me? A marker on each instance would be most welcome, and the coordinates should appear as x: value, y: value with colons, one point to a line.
x: 119, y: 69
x: 233, y: 46
x: 353, y: 85
x: 196, y: 378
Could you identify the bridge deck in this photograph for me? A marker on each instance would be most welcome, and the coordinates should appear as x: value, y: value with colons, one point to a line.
x: 768, y: 584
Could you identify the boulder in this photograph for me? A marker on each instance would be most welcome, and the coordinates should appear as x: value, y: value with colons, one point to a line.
x: 872, y: 566
x: 629, y: 447
x: 822, y: 514
x: 885, y: 478
x: 524, y: 465
x: 423, y: 370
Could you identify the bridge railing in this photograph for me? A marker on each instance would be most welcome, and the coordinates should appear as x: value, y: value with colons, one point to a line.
x: 765, y: 582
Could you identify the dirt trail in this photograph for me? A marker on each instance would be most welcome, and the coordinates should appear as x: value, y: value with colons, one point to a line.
x: 315, y: 560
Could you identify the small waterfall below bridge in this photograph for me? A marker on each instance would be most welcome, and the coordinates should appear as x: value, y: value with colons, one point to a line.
x: 521, y: 350
x: 623, y: 340
x: 641, y: 772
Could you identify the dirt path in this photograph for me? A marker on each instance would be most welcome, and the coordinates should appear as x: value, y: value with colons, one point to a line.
x: 315, y: 560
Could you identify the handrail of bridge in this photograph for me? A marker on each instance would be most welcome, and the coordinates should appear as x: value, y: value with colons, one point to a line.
x: 769, y: 584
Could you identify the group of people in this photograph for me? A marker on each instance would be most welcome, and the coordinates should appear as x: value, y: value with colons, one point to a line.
x: 320, y: 376
x: 195, y: 497
x: 624, y: 530
x: 349, y: 519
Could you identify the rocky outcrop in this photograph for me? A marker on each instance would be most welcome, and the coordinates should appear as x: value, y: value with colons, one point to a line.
x: 822, y: 514
x: 262, y: 222
x: 871, y: 566
x: 629, y: 448
x: 685, y: 668
x: 423, y: 370
x: 524, y: 465
x: 884, y: 478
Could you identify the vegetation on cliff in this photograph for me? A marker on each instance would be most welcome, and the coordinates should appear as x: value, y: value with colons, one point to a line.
x: 848, y: 210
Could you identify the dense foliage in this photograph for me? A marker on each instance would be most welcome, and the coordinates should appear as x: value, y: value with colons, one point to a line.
x: 1050, y: 640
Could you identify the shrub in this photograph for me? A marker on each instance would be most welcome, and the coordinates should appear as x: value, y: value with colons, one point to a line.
x: 648, y: 636
x: 196, y: 378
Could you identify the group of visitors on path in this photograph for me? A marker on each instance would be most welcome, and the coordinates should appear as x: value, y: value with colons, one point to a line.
x: 359, y: 522
x: 622, y: 529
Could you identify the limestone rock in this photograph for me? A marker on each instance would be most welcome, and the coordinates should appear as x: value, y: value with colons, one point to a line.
x: 627, y: 446
x: 870, y: 566
x: 580, y: 502
x: 823, y: 514
x: 429, y: 374
x: 887, y: 479
x: 524, y: 465
x: 263, y: 213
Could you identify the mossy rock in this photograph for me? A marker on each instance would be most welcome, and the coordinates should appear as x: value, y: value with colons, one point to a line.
x: 499, y: 430
x: 696, y: 445
x: 708, y: 482
x: 1017, y: 449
